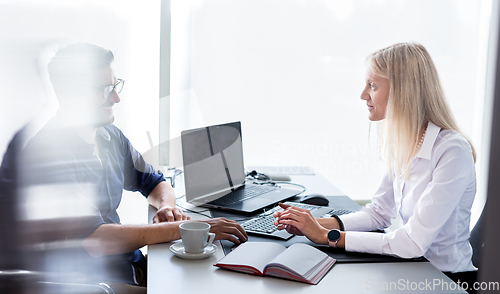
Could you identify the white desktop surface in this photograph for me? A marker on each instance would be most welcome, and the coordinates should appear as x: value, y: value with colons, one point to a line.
x: 170, y: 274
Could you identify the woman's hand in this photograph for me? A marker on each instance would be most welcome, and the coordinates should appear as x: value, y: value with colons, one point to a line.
x: 300, y: 221
x: 289, y: 228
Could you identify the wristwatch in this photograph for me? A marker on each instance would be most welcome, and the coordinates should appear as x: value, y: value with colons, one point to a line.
x: 333, y: 238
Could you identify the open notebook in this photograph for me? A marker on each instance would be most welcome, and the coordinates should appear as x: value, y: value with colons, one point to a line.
x: 299, y: 262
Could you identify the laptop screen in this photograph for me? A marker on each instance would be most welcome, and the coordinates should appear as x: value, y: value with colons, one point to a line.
x: 213, y: 161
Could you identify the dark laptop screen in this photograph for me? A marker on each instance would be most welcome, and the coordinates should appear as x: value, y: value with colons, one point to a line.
x: 213, y: 161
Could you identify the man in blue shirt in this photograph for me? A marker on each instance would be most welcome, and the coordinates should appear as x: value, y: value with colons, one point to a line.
x: 90, y: 162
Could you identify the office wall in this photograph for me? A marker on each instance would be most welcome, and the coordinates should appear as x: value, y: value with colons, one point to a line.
x: 292, y: 72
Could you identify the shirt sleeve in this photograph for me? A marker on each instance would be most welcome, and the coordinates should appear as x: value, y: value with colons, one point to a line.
x: 375, y: 215
x: 139, y: 175
x: 453, y: 168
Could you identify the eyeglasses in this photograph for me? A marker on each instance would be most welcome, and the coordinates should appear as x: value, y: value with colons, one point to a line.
x: 108, y: 90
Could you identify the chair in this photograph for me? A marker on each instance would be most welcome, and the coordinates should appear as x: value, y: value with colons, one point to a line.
x: 21, y: 281
x: 477, y: 239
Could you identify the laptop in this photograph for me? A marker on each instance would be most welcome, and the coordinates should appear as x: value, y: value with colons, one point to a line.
x: 214, y: 173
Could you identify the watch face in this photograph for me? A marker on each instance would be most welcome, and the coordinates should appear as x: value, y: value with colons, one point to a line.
x: 334, y: 235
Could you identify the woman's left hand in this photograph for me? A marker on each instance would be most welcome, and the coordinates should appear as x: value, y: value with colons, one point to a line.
x: 304, y: 222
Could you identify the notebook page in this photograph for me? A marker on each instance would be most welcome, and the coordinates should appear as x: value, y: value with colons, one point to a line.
x: 319, y: 268
x: 254, y: 254
x: 324, y: 268
x: 300, y: 258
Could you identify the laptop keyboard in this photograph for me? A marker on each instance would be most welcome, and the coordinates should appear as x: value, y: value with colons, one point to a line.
x: 264, y: 223
x: 244, y: 193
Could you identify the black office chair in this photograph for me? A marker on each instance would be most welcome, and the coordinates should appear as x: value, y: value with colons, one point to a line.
x: 477, y: 239
x: 21, y: 281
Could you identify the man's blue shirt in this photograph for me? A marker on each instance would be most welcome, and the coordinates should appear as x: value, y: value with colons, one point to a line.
x: 92, y: 176
x: 58, y: 155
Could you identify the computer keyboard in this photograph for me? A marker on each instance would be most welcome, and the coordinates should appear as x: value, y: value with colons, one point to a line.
x: 243, y: 193
x: 263, y: 224
x: 337, y: 212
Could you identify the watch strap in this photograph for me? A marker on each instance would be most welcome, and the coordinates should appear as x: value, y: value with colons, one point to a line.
x: 333, y: 243
x: 341, y: 224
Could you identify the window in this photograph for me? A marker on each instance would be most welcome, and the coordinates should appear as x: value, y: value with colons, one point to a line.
x: 292, y: 73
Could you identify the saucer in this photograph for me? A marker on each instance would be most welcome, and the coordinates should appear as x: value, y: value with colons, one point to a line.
x: 178, y: 250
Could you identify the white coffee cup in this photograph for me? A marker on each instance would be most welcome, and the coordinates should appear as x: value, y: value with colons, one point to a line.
x: 196, y: 236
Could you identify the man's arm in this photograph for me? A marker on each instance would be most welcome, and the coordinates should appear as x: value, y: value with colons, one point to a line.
x: 163, y: 199
x: 141, y: 176
x: 115, y: 238
x: 111, y: 239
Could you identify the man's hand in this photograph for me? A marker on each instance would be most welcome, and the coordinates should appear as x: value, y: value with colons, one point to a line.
x: 300, y: 221
x: 225, y: 229
x: 170, y: 214
x: 163, y: 198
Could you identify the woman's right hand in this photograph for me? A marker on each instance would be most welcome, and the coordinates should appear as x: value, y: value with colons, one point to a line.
x: 290, y: 228
x: 300, y: 221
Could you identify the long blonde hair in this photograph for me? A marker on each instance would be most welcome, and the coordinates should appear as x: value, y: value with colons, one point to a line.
x: 415, y: 98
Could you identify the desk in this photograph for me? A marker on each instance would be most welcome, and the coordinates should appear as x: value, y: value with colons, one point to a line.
x: 169, y: 274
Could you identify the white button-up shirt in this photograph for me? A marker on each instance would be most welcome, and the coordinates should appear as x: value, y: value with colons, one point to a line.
x: 434, y: 207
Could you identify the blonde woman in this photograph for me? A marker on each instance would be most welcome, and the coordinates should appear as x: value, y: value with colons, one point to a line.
x: 431, y: 181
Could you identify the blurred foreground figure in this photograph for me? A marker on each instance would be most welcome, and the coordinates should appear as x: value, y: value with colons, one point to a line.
x: 71, y: 178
